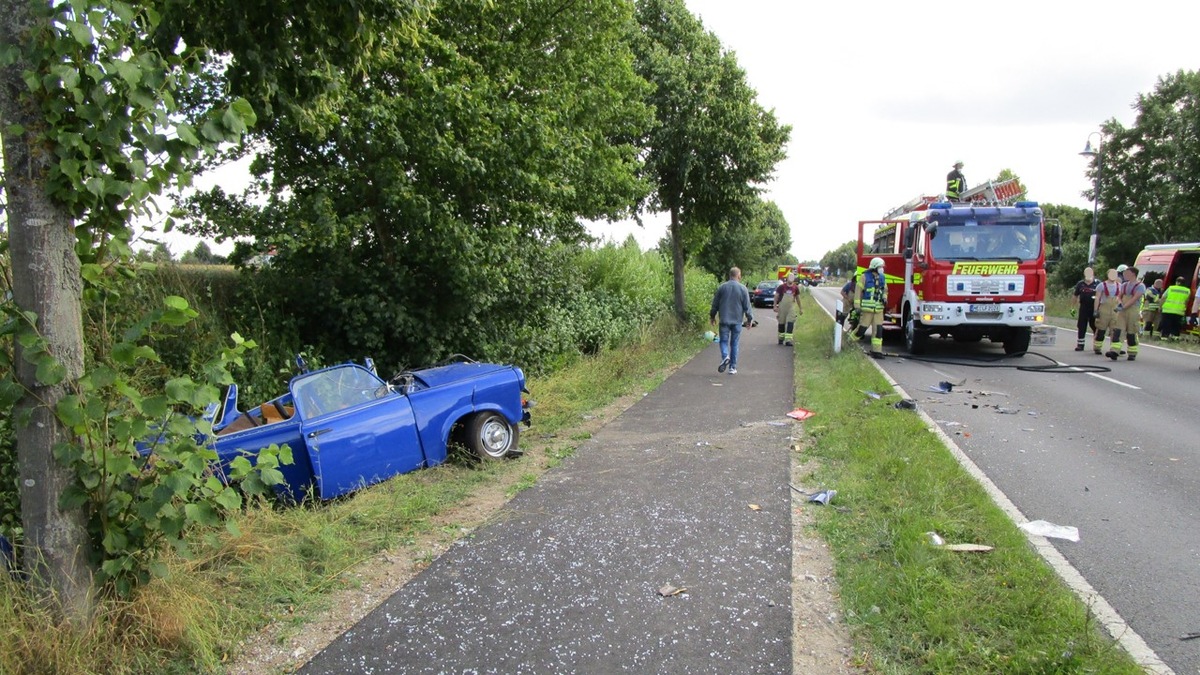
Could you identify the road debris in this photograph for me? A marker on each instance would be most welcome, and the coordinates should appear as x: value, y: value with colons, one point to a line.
x: 1047, y: 529
x: 800, y: 414
x: 905, y: 404
x: 669, y: 590
x: 968, y: 548
x: 823, y: 497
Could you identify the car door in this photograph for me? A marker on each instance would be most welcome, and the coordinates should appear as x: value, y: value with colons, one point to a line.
x: 362, y: 445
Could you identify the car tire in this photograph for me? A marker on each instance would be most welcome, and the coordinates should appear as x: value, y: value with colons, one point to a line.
x: 490, y: 436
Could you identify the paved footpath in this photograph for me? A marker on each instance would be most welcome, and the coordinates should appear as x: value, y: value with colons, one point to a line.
x: 566, y: 577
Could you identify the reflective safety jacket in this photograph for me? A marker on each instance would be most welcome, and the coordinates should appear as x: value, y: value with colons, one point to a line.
x: 1175, y: 300
x: 873, y: 287
x: 1151, y: 300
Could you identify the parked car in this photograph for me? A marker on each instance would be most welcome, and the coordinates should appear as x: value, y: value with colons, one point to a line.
x: 348, y: 428
x: 764, y: 293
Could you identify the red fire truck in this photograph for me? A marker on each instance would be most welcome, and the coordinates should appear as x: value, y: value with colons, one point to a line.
x: 807, y: 275
x: 966, y: 270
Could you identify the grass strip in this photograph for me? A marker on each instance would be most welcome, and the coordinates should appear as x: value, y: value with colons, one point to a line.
x: 283, y: 564
x: 915, y: 607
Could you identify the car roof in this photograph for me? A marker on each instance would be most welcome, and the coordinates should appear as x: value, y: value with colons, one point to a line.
x: 770, y: 282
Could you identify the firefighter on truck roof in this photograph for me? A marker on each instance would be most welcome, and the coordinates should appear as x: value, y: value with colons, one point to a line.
x: 870, y: 299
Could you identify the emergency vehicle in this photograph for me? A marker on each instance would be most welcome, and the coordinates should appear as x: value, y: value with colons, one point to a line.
x: 965, y: 270
x: 1169, y: 262
x: 808, y: 275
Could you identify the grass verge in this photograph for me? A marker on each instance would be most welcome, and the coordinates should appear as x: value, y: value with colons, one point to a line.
x: 914, y: 607
x: 285, y: 565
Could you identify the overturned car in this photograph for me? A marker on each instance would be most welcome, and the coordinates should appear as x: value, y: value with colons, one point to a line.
x: 348, y: 428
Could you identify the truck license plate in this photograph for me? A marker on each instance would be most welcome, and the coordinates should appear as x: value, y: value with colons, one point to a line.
x: 983, y: 309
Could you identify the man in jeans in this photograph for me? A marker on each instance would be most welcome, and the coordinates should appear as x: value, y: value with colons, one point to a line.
x: 732, y: 303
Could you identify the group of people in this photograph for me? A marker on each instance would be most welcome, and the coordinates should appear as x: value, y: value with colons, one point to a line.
x: 1121, y: 307
x: 732, y: 311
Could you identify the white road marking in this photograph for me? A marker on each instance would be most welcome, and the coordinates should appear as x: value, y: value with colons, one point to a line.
x: 1105, y: 613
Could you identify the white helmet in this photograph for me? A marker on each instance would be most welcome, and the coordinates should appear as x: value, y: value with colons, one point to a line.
x: 876, y: 263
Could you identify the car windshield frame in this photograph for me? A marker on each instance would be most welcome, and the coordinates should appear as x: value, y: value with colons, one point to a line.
x: 333, y: 389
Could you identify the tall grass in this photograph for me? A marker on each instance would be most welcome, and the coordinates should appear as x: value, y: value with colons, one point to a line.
x: 917, y: 608
x: 283, y: 563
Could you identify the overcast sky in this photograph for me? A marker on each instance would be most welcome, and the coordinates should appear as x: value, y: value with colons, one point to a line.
x: 884, y: 97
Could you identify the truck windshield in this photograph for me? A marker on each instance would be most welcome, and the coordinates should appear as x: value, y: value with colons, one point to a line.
x: 996, y: 241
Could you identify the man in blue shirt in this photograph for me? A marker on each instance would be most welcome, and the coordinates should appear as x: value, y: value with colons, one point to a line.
x: 731, y: 302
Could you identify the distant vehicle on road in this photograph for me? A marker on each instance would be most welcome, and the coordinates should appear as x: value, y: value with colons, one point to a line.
x: 764, y: 294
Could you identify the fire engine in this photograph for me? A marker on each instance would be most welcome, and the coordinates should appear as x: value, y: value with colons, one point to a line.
x: 965, y: 270
x: 808, y: 275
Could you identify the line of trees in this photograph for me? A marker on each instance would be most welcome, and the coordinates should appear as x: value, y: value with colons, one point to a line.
x: 420, y: 170
x: 1148, y: 176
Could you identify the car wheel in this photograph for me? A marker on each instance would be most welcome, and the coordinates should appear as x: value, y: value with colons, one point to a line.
x: 490, y: 436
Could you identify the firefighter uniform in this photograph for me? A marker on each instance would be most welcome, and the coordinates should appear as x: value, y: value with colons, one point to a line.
x: 1108, y: 294
x: 1151, y: 306
x: 870, y: 299
x: 787, y: 305
x: 1128, y: 315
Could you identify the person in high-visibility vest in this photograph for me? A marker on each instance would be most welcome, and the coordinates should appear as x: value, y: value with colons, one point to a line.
x: 1108, y: 294
x: 1174, y: 306
x: 956, y: 184
x: 787, y: 307
x: 1129, y: 311
x: 870, y: 299
x: 1152, y: 307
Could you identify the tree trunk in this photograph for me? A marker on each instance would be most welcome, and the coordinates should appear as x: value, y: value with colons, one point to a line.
x: 46, y: 281
x: 677, y: 261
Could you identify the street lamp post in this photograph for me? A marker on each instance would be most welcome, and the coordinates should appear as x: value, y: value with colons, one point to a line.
x: 1088, y: 151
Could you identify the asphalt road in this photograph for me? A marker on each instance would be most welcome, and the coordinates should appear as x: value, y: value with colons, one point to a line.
x: 662, y: 546
x: 1115, y: 454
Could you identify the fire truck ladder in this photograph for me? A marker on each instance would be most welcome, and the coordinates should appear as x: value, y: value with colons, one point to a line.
x: 919, y: 203
x: 1004, y: 193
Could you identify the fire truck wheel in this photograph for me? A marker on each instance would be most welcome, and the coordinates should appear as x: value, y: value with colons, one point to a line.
x: 1018, y: 342
x: 914, y: 337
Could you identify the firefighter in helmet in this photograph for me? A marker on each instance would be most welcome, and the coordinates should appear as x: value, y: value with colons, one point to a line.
x: 870, y: 299
x: 787, y: 307
x: 956, y: 184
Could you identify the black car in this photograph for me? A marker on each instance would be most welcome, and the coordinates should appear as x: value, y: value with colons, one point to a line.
x: 764, y: 294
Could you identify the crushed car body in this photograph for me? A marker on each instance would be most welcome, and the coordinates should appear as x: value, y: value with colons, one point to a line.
x: 348, y: 428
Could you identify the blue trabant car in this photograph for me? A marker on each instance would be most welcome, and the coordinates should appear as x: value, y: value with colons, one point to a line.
x: 348, y: 428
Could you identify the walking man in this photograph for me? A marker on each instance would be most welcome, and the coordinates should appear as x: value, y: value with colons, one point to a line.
x: 787, y: 306
x: 731, y: 302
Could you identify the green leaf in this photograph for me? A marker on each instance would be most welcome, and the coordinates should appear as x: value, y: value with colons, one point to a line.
x: 49, y: 371
x: 130, y: 72
x: 202, y: 514
x: 81, y: 32
x: 70, y: 413
x: 229, y: 499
